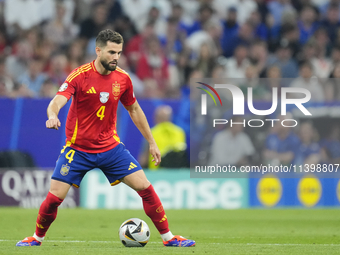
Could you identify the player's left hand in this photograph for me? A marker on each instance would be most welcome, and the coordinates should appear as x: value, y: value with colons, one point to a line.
x: 155, y: 153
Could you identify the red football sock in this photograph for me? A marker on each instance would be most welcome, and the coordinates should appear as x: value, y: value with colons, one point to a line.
x: 154, y: 209
x: 47, y: 214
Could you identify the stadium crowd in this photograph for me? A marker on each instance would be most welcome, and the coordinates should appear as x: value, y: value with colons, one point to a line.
x: 167, y: 42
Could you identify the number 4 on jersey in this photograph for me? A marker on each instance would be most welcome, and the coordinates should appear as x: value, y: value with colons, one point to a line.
x: 100, y: 112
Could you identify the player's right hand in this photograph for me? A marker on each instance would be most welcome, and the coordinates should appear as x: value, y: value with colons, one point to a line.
x: 53, y: 123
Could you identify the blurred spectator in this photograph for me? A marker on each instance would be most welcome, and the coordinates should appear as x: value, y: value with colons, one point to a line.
x: 138, y: 86
x: 6, y: 81
x: 91, y: 26
x: 231, y: 146
x: 309, y: 81
x: 57, y: 31
x: 205, y: 14
x: 335, y: 54
x: 183, y: 67
x: 260, y: 28
x: 173, y: 40
x: 136, y: 10
x: 273, y: 80
x: 308, y: 152
x: 156, y: 19
x: 331, y: 21
x: 4, y: 90
x: 153, y: 65
x: 48, y: 89
x: 235, y: 67
x: 168, y: 136
x: 308, y: 52
x: 17, y: 64
x: 277, y: 8
x: 126, y: 28
x: 331, y: 145
x: 258, y: 56
x: 290, y: 34
x: 321, y: 64
x: 332, y: 88
x: 230, y: 32
x: 33, y: 79
x: 57, y: 72
x: 137, y: 45
x: 206, y: 60
x: 210, y: 36
x: 244, y: 9
x: 115, y: 10
x: 252, y: 81
x: 283, y: 59
x: 183, y: 21
x: 263, y: 9
x: 3, y: 42
x: 27, y: 14
x: 280, y: 144
x: 75, y: 55
x: 245, y: 36
x: 307, y: 24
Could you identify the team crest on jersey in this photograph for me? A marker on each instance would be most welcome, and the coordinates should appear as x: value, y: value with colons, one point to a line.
x: 115, y: 90
x: 104, y: 97
x: 63, y: 87
x: 64, y: 170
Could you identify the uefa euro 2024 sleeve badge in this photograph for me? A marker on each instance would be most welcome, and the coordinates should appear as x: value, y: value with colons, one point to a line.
x: 115, y: 90
x: 64, y: 170
x: 104, y: 97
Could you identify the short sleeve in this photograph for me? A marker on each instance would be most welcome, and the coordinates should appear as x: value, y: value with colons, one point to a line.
x: 128, y: 98
x: 67, y: 89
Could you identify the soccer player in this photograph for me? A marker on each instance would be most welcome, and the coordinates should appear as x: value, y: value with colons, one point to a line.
x: 92, y: 140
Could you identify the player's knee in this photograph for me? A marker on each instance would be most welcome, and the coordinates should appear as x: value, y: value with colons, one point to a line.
x: 143, y: 185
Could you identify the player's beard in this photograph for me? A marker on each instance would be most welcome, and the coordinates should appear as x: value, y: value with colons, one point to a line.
x: 107, y: 66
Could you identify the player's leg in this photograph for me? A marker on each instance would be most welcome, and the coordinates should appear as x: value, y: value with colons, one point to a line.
x: 119, y: 165
x: 66, y: 173
x: 47, y: 212
x: 154, y: 209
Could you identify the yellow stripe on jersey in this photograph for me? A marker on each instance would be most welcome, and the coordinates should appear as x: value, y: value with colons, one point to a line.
x: 73, y: 139
x: 122, y: 71
x: 79, y: 71
x: 116, y: 138
x: 76, y: 71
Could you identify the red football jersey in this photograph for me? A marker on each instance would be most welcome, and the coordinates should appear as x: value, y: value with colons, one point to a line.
x: 91, y: 120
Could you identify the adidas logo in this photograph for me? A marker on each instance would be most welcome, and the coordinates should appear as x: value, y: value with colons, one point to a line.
x: 92, y: 91
x: 163, y: 219
x: 132, y: 166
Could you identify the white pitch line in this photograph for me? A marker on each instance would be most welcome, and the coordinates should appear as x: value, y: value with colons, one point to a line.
x: 250, y: 244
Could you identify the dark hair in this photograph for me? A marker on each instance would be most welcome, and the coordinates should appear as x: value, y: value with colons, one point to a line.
x: 306, y: 64
x: 108, y: 35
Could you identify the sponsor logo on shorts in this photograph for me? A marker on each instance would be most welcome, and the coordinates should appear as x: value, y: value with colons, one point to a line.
x: 64, y: 170
x: 132, y: 166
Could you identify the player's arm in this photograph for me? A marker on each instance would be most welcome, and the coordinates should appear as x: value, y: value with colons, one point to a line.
x: 138, y: 117
x: 53, y: 109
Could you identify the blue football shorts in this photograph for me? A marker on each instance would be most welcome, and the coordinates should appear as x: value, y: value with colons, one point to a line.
x: 73, y: 164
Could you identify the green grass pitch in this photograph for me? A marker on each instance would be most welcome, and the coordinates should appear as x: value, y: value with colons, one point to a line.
x: 246, y: 231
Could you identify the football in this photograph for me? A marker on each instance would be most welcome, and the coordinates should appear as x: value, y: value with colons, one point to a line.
x: 134, y: 233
